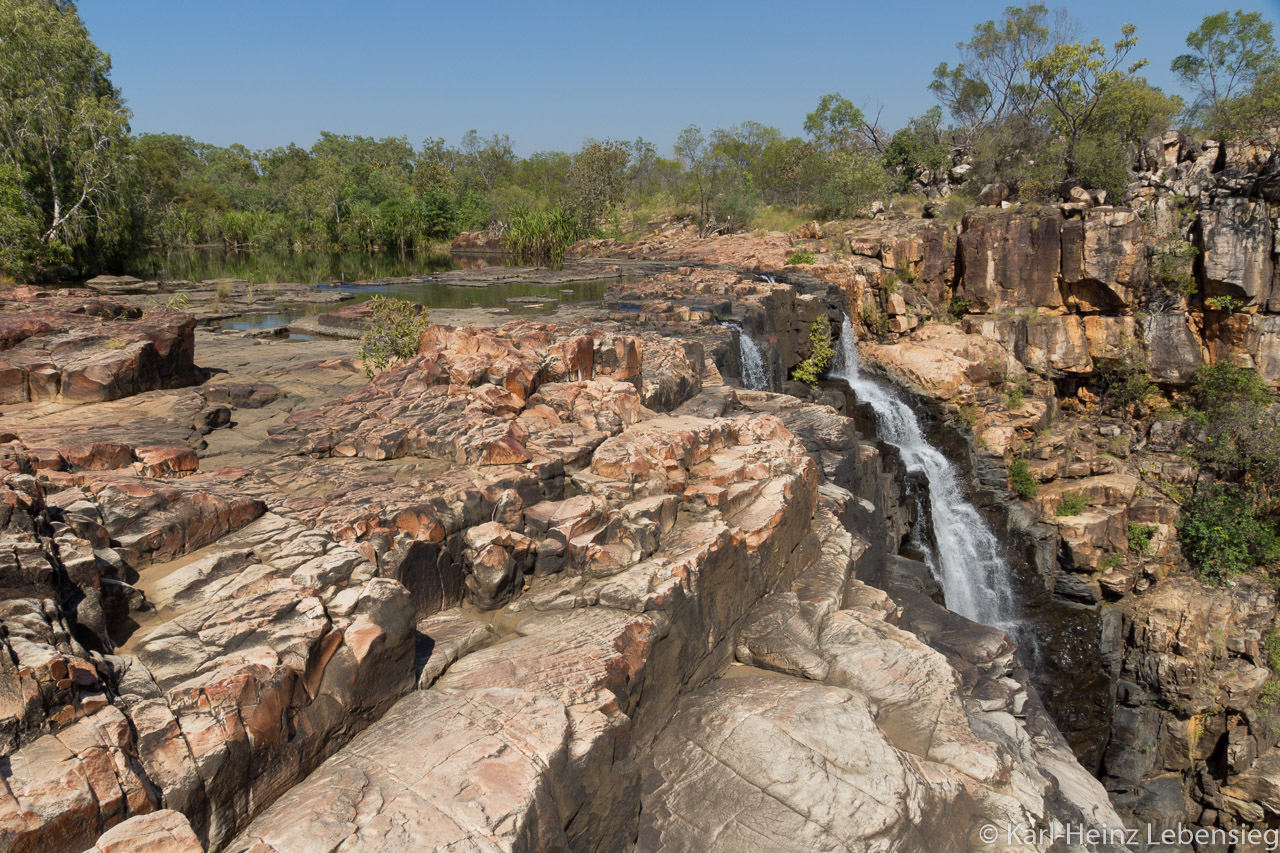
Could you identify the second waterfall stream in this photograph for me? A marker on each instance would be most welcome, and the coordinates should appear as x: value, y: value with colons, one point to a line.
x: 969, y: 562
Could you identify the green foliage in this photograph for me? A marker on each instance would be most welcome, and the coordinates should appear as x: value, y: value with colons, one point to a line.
x: 1225, y: 304
x: 968, y: 414
x: 847, y: 182
x: 395, y: 327
x: 716, y: 179
x: 958, y: 307
x: 1124, y: 380
x: 821, y: 352
x: 1271, y: 649
x: 917, y: 149
x: 1140, y: 536
x: 1129, y: 111
x: 992, y: 84
x: 1070, y: 504
x: 800, y: 256
x: 1172, y: 261
x: 1073, y: 79
x: 1114, y: 560
x: 1223, y: 536
x: 1235, y: 434
x: 537, y: 234
x: 1021, y: 480
x: 597, y: 180
x: 1231, y: 58
x: 64, y: 129
x: 1217, y: 388
x: 875, y: 322
x: 836, y: 125
x: 1269, y: 704
x: 1229, y: 523
x: 1016, y: 397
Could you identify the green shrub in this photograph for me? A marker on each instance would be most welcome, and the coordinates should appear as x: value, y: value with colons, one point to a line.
x: 875, y: 322
x: 1021, y: 480
x: 1071, y: 504
x: 1172, y: 262
x: 395, y: 328
x: 1271, y: 649
x: 958, y: 307
x: 1269, y: 707
x: 1223, y: 536
x: 1016, y: 397
x: 1114, y: 560
x: 1227, y: 304
x: 1125, y: 380
x: 968, y: 415
x: 1216, y: 387
x: 800, y: 256
x: 537, y: 234
x: 1140, y: 536
x: 821, y: 352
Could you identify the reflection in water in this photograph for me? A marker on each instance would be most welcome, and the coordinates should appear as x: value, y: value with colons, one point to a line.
x: 436, y: 295
x: 300, y: 267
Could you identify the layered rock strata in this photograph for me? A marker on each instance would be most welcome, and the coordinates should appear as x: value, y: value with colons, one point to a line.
x: 474, y: 601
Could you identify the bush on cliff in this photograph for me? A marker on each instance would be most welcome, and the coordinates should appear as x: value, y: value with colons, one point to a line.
x: 1123, y: 381
x: 395, y: 328
x: 1229, y: 524
x: 1072, y: 503
x: 821, y: 353
x: 1021, y: 479
x: 1223, y: 535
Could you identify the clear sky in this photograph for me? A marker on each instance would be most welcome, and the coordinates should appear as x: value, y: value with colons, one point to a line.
x: 551, y: 73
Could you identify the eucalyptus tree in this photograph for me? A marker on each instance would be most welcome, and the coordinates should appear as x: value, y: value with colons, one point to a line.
x: 63, y: 127
x: 1232, y: 68
x: 1073, y: 80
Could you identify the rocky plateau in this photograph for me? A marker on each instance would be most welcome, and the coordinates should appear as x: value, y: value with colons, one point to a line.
x: 564, y: 584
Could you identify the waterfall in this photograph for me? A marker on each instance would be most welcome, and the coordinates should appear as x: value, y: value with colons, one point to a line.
x: 968, y: 560
x: 768, y: 279
x: 754, y: 373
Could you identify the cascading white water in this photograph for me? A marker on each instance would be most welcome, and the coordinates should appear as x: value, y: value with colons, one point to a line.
x: 971, y: 569
x: 754, y: 373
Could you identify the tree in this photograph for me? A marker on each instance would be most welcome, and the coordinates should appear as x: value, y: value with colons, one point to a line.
x: 916, y: 149
x: 1073, y: 78
x: 62, y: 122
x: 993, y: 84
x: 491, y: 161
x: 837, y: 125
x: 1230, y: 54
x: 597, y: 180
x: 699, y: 161
x: 1129, y: 112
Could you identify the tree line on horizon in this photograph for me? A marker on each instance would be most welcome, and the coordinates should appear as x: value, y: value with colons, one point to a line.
x: 1027, y: 102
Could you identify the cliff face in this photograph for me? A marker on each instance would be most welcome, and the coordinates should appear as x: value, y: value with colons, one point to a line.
x: 553, y: 586
x: 1045, y: 298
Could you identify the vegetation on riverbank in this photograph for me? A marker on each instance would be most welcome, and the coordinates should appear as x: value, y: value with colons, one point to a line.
x: 1024, y: 105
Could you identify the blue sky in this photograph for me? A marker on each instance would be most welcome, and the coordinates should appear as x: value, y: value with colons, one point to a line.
x: 550, y: 74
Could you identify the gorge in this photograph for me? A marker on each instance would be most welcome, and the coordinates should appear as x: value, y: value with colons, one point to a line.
x: 577, y: 579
